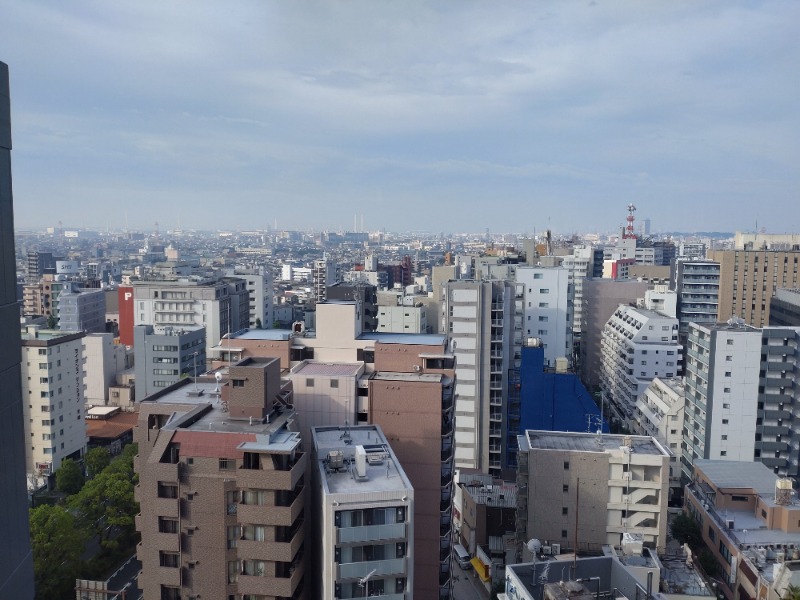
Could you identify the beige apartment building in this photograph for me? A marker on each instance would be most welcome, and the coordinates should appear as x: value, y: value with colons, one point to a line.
x: 221, y: 488
x: 749, y: 278
x: 591, y: 489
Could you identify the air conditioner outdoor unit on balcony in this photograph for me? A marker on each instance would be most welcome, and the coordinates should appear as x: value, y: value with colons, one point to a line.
x: 556, y: 549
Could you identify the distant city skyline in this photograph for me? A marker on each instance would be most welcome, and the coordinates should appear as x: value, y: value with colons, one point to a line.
x: 447, y: 117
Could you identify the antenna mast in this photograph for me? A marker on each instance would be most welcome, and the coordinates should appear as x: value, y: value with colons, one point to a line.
x: 629, y: 230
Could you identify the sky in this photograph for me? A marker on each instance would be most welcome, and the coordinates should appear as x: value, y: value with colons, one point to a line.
x: 405, y: 115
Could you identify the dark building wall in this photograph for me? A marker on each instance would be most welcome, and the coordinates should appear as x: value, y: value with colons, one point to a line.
x: 16, y: 564
x: 784, y: 313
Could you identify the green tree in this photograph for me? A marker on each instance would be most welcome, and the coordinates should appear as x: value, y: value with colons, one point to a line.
x: 69, y: 477
x: 51, y: 322
x: 686, y: 530
x: 258, y: 323
x: 96, y: 460
x: 57, y: 545
x: 106, y: 503
x: 707, y: 562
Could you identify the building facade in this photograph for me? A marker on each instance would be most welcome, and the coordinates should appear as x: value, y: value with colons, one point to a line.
x: 222, y: 489
x: 547, y: 312
x: 638, y: 345
x: 697, y: 286
x: 83, y: 310
x: 616, y: 485
x: 166, y: 355
x: 365, y: 505
x: 749, y: 279
x: 784, y: 308
x: 52, y: 380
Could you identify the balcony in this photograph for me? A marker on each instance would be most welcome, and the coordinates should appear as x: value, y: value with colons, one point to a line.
x: 392, y: 531
x: 272, y: 586
x: 273, y: 479
x: 393, y: 566
x: 272, y: 551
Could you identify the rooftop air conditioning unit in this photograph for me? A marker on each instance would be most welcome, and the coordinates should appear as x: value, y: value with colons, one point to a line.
x: 556, y: 549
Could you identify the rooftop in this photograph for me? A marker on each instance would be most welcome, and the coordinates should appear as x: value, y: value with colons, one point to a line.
x: 739, y: 474
x: 400, y: 376
x: 383, y: 472
x: 321, y: 369
x: 205, y: 412
x: 260, y: 334
x: 419, y: 339
x: 591, y: 442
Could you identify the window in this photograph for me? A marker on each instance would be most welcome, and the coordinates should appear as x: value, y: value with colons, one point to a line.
x: 566, y: 464
x: 729, y: 342
x: 254, y: 567
x: 334, y: 383
x: 727, y: 391
x: 167, y: 525
x: 724, y: 421
x: 728, y: 358
x: 309, y: 382
x: 739, y: 498
x: 564, y: 510
x: 544, y: 290
x: 563, y: 533
x: 544, y: 305
x: 565, y: 488
x: 543, y: 319
x: 168, y: 559
x: 253, y: 533
x: 727, y: 373
x: 170, y: 593
x: 167, y: 490
x: 538, y: 276
x: 724, y: 437
x: 237, y: 383
x: 723, y: 453
x: 227, y: 464
x: 725, y: 404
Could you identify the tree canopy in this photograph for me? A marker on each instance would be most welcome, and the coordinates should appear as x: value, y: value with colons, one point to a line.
x: 58, y: 544
x: 69, y: 477
x: 96, y: 460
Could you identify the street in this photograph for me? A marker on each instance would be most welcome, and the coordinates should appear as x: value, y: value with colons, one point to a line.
x: 466, y: 586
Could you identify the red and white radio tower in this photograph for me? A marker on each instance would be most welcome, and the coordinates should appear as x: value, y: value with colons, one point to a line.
x: 629, y: 229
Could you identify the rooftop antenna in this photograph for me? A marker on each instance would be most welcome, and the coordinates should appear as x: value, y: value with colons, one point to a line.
x: 346, y: 433
x: 534, y: 545
x: 195, y: 371
x: 629, y: 230
x: 218, y: 377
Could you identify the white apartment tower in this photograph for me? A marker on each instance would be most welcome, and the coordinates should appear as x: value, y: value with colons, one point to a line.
x: 480, y: 321
x: 637, y: 345
x: 52, y: 390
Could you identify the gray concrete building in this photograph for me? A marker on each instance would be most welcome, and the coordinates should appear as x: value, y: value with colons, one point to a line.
x: 697, y: 286
x: 16, y: 561
x: 83, y: 310
x: 166, y: 355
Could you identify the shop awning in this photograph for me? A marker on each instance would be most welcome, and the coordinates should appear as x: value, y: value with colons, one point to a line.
x: 481, y: 569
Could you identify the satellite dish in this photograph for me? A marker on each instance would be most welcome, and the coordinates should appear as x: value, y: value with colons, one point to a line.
x: 534, y: 546
x: 218, y: 376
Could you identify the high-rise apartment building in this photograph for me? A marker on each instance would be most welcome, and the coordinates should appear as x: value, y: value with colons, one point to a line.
x: 323, y: 274
x: 605, y: 485
x: 638, y: 345
x: 221, y: 488
x: 16, y: 561
x: 52, y: 382
x: 363, y: 294
x: 697, y: 286
x: 740, y: 396
x: 749, y: 278
x: 364, y: 539
x: 258, y: 282
x: 166, y: 355
x: 584, y: 262
x: 483, y: 329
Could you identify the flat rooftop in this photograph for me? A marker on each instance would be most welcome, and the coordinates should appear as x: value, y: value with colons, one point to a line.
x: 209, y: 415
x: 384, y: 472
x: 260, y: 334
x: 399, y: 376
x: 418, y: 339
x: 321, y: 369
x: 739, y: 474
x: 592, y: 442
